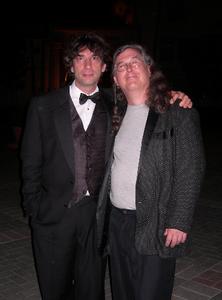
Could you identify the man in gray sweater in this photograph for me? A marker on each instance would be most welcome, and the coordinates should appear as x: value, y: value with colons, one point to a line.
x: 153, y: 181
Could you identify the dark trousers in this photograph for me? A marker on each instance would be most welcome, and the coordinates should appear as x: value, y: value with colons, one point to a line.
x: 135, y: 276
x: 67, y: 261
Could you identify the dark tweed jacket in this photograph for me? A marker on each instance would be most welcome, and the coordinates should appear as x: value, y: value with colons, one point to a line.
x: 170, y: 174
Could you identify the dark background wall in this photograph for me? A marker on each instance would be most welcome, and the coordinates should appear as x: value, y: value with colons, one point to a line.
x: 185, y: 37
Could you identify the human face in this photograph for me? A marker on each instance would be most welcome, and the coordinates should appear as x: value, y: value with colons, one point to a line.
x: 132, y: 74
x: 88, y: 69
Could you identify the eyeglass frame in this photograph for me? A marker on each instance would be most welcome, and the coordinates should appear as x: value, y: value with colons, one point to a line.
x: 134, y: 63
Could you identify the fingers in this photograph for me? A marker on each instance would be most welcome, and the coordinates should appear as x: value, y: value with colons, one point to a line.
x: 174, y: 237
x: 185, y: 101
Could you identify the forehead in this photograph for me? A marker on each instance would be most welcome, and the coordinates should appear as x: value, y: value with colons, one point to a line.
x: 85, y: 52
x: 127, y: 54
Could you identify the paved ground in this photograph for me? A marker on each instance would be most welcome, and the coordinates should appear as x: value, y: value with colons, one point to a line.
x: 198, y: 276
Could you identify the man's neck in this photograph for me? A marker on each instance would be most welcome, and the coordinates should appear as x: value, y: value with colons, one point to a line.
x: 136, y: 98
x: 86, y: 89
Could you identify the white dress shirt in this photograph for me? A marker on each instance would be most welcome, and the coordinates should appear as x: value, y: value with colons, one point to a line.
x: 85, y: 111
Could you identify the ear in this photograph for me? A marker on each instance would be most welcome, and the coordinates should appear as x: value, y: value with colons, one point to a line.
x: 72, y: 70
x: 115, y: 80
x: 104, y: 68
x: 148, y: 70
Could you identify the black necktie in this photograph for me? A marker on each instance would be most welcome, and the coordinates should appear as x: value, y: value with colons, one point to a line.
x: 83, y: 98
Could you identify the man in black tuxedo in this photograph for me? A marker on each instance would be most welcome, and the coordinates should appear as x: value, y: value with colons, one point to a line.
x: 64, y: 152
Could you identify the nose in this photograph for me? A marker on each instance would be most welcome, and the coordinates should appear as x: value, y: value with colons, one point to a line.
x: 129, y: 66
x: 88, y: 62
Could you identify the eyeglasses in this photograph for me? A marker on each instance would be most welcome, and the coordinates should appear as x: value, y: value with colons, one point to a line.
x: 133, y: 64
x: 80, y: 59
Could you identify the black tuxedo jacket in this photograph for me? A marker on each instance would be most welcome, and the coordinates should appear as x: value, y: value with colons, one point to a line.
x: 47, y: 155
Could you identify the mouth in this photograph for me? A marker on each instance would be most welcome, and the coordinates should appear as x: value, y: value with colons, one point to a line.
x: 88, y: 74
x: 131, y: 77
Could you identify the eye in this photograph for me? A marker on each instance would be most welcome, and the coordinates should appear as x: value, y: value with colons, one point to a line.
x: 79, y: 58
x: 96, y: 58
x: 136, y: 63
x: 121, y: 67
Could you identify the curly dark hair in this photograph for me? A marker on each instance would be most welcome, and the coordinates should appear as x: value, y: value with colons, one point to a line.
x: 93, y: 42
x: 158, y: 95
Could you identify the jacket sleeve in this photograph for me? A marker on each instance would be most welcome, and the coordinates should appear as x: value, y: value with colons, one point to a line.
x: 31, y: 156
x: 189, y: 167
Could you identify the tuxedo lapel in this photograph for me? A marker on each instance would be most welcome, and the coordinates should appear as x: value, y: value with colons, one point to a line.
x: 64, y: 130
x: 149, y: 128
x: 148, y: 131
x: 104, y: 106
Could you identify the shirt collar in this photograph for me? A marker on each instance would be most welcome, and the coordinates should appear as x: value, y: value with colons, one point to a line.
x: 75, y: 92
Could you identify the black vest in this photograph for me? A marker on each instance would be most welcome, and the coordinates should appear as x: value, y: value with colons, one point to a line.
x: 89, y: 152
